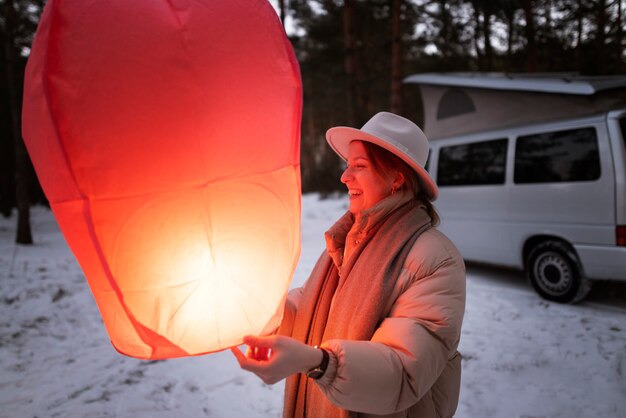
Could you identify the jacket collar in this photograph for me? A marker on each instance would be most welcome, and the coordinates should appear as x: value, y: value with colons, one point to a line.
x: 347, y: 232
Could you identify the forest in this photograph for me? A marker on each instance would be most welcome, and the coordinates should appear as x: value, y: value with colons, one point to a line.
x: 353, y: 56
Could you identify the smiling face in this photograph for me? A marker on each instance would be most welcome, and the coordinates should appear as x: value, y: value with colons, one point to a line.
x: 366, y: 185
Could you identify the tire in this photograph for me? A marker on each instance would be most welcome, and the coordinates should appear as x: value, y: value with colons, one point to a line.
x: 554, y: 272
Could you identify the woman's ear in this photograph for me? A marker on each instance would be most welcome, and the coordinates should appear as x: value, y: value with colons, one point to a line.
x: 398, y: 180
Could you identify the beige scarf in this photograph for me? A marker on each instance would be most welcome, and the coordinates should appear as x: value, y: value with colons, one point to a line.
x: 345, y: 298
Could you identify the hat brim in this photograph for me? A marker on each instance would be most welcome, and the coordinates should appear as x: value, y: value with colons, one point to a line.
x: 339, y: 139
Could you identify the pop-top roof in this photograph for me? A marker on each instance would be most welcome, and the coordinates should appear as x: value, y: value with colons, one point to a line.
x: 458, y: 103
x: 564, y: 83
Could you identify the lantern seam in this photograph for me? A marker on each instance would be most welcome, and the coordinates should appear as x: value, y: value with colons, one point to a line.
x: 48, y: 95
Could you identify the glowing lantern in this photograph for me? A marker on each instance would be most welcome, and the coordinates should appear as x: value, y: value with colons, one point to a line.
x: 165, y: 135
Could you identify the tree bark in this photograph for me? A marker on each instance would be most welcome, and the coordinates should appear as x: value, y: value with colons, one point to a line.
x: 619, y: 35
x: 579, y: 34
x: 444, y: 35
x: 531, y: 45
x: 350, y: 60
x: 23, y: 174
x: 510, y: 18
x: 601, y: 61
x: 477, y: 31
x: 487, y: 36
x: 281, y: 8
x: 396, y: 57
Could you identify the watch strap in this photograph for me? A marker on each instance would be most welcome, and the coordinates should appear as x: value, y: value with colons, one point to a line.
x: 317, y: 372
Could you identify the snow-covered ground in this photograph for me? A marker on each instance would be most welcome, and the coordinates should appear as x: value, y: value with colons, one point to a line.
x: 524, y: 357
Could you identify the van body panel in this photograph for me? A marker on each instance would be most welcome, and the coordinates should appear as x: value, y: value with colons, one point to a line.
x: 502, y: 243
x: 474, y: 244
x: 600, y: 262
x: 492, y: 223
x: 577, y: 201
x: 480, y: 219
x: 617, y: 137
x: 535, y: 204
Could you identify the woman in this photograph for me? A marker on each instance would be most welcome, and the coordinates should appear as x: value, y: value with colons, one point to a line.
x: 375, y: 329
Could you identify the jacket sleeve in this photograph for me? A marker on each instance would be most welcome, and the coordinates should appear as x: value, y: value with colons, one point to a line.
x: 412, y: 346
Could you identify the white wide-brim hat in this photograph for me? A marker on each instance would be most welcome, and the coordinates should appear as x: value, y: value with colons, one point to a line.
x: 394, y: 133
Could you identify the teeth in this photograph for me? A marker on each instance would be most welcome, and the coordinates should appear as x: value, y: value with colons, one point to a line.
x: 353, y: 193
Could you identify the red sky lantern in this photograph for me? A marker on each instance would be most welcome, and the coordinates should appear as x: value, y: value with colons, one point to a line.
x: 165, y: 135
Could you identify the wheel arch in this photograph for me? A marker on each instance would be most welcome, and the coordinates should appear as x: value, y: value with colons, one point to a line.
x: 533, y: 241
x: 580, y: 286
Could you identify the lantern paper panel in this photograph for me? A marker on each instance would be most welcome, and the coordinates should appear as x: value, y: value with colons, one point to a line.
x: 165, y: 135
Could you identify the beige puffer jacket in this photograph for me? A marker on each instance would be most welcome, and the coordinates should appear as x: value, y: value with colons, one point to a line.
x: 411, y: 367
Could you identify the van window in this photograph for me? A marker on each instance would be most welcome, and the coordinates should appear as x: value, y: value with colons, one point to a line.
x: 561, y: 156
x: 472, y: 164
x: 454, y: 102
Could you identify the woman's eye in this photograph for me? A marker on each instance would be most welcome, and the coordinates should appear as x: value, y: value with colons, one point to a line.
x: 354, y: 166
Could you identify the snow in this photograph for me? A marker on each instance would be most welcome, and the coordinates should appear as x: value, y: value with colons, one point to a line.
x: 523, y: 357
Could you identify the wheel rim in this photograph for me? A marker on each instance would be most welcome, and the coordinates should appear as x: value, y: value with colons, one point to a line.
x: 554, y: 274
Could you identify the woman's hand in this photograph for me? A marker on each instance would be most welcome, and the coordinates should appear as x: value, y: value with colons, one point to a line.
x: 276, y: 357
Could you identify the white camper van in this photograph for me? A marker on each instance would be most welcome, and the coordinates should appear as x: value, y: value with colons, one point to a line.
x: 547, y: 196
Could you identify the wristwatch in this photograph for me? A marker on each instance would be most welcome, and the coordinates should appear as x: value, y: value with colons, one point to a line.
x: 317, y: 372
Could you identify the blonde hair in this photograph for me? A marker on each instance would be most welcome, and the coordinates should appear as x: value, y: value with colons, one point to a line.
x: 387, y: 163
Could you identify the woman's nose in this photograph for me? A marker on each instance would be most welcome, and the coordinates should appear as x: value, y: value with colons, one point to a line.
x: 346, y: 176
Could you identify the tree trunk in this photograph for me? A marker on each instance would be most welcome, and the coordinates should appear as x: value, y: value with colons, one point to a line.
x: 477, y: 31
x: 619, y: 35
x: 531, y: 46
x: 349, y: 60
x: 444, y: 35
x: 281, y: 8
x: 510, y: 18
x: 579, y: 34
x: 601, y: 61
x: 396, y: 57
x: 23, y: 174
x: 487, y: 36
x: 310, y: 153
x: 549, y: 59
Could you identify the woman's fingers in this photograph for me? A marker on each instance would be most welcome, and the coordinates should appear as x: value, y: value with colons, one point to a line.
x: 255, y: 366
x: 265, y: 342
x: 262, y: 353
x: 274, y: 358
x: 260, y: 347
x: 259, y: 350
x: 241, y: 358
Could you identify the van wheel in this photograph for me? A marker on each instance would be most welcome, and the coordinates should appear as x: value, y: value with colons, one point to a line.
x: 555, y: 273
